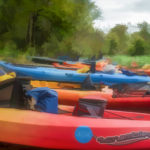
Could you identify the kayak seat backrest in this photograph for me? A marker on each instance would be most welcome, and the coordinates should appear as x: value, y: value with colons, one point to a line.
x: 90, y: 108
x: 147, y: 93
x: 12, y: 93
x: 18, y: 98
x: 6, y: 89
x: 93, y: 67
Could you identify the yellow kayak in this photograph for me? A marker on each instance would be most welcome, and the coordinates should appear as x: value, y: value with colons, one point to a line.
x: 55, y: 85
x: 7, y: 76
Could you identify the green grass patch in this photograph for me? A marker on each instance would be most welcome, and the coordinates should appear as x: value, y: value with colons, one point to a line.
x: 14, y: 56
x: 127, y: 60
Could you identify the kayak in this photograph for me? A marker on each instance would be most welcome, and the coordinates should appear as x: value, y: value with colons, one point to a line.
x: 57, y: 65
x: 45, y: 60
x: 146, y: 71
x: 6, y: 76
x: 55, y: 85
x: 74, y: 66
x: 117, y: 130
x: 79, y: 65
x: 132, y: 103
x: 86, y: 85
x: 52, y: 74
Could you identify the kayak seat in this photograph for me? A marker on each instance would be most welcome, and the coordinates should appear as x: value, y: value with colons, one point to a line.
x: 147, y: 93
x: 6, y: 89
x: 12, y: 93
x: 90, y: 107
x: 18, y: 98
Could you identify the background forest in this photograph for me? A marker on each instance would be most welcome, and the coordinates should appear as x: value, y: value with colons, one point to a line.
x: 64, y: 27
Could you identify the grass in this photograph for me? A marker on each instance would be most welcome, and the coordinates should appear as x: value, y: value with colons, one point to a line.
x: 14, y: 56
x: 127, y: 60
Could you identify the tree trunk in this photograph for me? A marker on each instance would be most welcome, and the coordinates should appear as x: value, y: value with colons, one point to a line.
x: 30, y: 38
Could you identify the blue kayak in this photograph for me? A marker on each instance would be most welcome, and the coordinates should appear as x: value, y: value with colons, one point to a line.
x: 53, y: 74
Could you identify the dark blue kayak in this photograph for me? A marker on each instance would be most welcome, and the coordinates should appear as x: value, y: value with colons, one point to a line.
x: 53, y: 74
x: 45, y: 60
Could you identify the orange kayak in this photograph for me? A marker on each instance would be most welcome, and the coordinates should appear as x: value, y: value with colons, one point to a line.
x: 77, y: 65
x: 57, y: 65
x: 71, y: 97
x: 99, y: 65
x: 146, y: 71
x: 139, y: 71
x: 137, y: 103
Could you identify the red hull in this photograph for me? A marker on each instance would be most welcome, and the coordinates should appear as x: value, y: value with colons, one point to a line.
x: 69, y: 132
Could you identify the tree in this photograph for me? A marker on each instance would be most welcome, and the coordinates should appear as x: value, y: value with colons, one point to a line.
x: 46, y: 25
x: 111, y: 44
x: 138, y: 47
x: 121, y: 32
x: 88, y: 44
x: 144, y: 31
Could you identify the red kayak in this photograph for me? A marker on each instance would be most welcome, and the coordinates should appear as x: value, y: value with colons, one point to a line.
x: 133, y: 102
x: 116, y: 130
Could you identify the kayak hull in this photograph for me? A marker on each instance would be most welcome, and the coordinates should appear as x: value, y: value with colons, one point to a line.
x: 69, y: 132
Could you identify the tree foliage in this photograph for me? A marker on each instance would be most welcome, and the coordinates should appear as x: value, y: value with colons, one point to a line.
x: 46, y: 25
x: 64, y: 27
x: 138, y: 47
x: 119, y: 41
